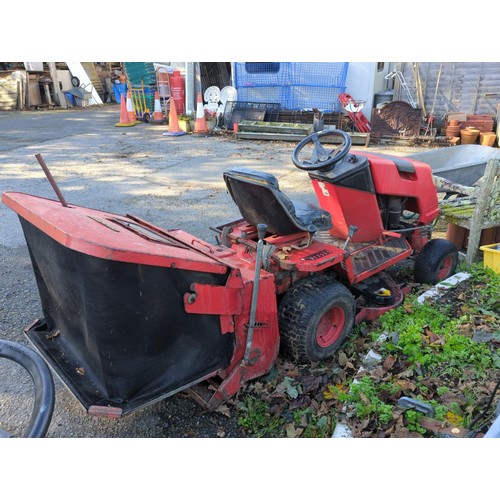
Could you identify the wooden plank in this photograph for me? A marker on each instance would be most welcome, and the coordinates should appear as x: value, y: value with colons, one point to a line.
x: 269, y: 137
x: 275, y: 127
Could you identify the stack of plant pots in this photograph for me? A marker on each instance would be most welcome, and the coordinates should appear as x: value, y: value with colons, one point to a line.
x: 469, y: 135
x: 452, y: 129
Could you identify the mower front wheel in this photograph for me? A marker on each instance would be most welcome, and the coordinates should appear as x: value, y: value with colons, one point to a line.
x: 437, y: 261
x: 315, y: 317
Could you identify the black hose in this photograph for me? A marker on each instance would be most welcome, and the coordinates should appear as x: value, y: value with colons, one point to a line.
x: 473, y: 432
x: 33, y: 363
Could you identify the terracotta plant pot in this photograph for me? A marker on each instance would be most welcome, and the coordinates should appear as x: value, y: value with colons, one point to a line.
x: 452, y: 131
x: 487, y: 138
x: 469, y: 135
x: 454, y: 123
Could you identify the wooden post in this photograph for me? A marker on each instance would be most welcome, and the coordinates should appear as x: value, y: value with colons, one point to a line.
x: 61, y: 99
x: 483, y: 198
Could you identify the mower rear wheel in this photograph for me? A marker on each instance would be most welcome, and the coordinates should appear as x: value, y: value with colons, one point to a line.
x: 315, y: 317
x: 437, y: 261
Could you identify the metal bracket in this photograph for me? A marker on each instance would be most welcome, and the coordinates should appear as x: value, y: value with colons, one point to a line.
x: 224, y: 300
x: 414, y: 404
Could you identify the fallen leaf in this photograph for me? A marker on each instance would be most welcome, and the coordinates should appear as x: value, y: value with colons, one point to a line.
x: 224, y: 410
x: 453, y: 397
x: 310, y: 383
x: 405, y: 373
x: 288, y: 387
x: 389, y: 362
x: 406, y: 385
x: 292, y: 432
x: 53, y: 334
x: 334, y: 391
x: 343, y: 359
x: 300, y: 402
x: 453, y: 418
x: 365, y: 400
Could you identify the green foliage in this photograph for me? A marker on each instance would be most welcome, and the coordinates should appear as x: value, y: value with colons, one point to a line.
x: 489, y: 292
x: 442, y: 390
x: 256, y: 419
x: 429, y: 338
x: 365, y: 396
x: 428, y: 354
x: 412, y: 418
x: 313, y: 425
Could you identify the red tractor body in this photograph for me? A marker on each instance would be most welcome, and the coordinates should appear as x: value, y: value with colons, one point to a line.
x: 133, y: 313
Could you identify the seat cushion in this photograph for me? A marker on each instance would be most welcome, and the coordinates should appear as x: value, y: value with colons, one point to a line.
x: 260, y: 201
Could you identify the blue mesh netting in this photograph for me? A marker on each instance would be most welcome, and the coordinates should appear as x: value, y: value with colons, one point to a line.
x: 294, y: 85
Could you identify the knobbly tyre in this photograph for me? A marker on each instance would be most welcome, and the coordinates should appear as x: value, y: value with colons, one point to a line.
x: 133, y: 313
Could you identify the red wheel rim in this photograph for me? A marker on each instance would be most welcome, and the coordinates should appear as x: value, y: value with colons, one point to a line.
x: 445, y: 268
x: 330, y: 327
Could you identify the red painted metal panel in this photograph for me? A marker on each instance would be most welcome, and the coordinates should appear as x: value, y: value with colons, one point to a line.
x: 350, y: 207
x: 104, y: 235
x: 418, y: 186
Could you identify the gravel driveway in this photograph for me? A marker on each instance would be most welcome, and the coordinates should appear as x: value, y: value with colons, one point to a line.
x: 173, y: 182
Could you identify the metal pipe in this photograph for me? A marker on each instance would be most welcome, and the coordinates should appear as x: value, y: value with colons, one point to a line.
x: 261, y: 232
x: 51, y: 180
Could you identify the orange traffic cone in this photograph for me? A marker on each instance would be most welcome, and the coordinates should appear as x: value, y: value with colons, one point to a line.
x: 173, y: 122
x: 201, y: 124
x: 157, y: 113
x: 130, y: 109
x: 124, y: 119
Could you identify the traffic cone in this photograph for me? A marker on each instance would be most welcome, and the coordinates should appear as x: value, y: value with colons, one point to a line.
x: 130, y: 109
x: 201, y: 124
x: 173, y: 122
x: 157, y: 113
x: 124, y: 119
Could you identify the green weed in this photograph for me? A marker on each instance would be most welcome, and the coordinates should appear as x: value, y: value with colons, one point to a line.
x: 254, y: 417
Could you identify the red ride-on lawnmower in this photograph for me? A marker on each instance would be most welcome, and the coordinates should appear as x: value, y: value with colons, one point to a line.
x: 134, y: 313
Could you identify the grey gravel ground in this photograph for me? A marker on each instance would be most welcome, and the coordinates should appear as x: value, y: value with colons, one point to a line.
x: 173, y: 182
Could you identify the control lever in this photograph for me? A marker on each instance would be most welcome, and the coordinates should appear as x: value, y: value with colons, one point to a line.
x: 350, y: 234
x: 261, y: 234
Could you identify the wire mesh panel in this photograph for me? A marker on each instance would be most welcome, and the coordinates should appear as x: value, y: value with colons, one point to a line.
x: 294, y: 85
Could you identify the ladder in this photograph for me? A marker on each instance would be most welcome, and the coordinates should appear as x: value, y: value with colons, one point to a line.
x: 403, y: 84
x: 94, y: 77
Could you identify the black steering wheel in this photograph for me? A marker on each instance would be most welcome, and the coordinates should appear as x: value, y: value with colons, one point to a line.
x: 43, y: 406
x: 320, y: 158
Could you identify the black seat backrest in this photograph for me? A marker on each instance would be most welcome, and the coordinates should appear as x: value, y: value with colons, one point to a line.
x: 260, y: 201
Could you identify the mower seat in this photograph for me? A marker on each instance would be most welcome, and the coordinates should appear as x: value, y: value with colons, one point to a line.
x: 260, y: 201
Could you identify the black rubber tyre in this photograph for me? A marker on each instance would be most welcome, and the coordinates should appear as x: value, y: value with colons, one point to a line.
x: 75, y: 81
x: 34, y: 364
x: 437, y: 261
x: 315, y: 316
